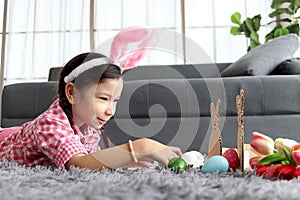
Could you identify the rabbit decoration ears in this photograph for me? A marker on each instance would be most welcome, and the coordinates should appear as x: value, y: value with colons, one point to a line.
x: 120, y: 55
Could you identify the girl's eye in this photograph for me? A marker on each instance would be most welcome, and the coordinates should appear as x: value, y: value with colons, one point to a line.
x: 116, y: 100
x: 103, y: 98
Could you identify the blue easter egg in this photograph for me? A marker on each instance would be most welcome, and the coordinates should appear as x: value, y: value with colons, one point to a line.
x: 215, y: 164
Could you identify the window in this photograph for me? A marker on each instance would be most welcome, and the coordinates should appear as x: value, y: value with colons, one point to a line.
x: 46, y: 33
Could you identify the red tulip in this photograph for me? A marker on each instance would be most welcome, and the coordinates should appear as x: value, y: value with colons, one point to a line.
x: 297, y: 172
x: 262, y: 143
x: 262, y: 171
x: 253, y: 162
x: 271, y: 172
x: 285, y: 171
x: 296, y: 153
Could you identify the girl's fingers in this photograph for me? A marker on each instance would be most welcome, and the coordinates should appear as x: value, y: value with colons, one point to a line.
x: 138, y: 164
x: 177, y: 151
x: 146, y: 159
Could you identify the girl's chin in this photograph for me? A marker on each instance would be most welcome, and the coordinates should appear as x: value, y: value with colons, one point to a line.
x: 96, y: 126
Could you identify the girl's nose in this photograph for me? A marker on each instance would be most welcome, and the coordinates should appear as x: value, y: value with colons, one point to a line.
x: 109, y: 110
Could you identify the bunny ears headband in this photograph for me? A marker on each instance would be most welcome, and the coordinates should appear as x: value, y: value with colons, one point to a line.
x: 119, y: 53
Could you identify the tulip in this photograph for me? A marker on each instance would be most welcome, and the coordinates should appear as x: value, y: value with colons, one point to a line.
x: 296, y: 153
x: 262, y: 144
x: 285, y: 172
x: 297, y: 173
x: 265, y: 171
x: 287, y: 143
x: 253, y: 162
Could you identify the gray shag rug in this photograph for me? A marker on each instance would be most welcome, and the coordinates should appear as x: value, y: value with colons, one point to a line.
x: 40, y: 182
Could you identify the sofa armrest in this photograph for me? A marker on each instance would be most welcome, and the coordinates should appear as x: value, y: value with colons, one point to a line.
x: 54, y: 73
x: 22, y: 102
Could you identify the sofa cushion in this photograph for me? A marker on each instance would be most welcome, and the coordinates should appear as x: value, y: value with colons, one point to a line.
x: 287, y: 67
x: 263, y: 59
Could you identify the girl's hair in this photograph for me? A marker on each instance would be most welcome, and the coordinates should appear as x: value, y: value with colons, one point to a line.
x: 94, y: 75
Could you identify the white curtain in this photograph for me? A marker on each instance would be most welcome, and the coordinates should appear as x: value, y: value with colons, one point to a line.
x: 46, y: 33
x: 43, y: 34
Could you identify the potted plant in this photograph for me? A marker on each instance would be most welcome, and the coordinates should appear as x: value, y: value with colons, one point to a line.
x: 285, y: 20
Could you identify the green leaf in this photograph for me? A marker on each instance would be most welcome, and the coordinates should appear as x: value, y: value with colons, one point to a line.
x: 249, y: 24
x: 271, y: 159
x: 256, y: 22
x: 280, y: 11
x: 252, y: 45
x: 280, y: 32
x: 294, y: 28
x: 235, y: 30
x: 236, y: 18
x: 245, y: 29
x: 270, y: 35
x: 289, y: 156
x: 277, y: 3
x: 296, y: 5
x: 254, y: 38
x: 285, y: 162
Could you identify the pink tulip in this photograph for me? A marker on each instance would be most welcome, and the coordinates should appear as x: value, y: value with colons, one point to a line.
x: 262, y: 144
x: 296, y: 153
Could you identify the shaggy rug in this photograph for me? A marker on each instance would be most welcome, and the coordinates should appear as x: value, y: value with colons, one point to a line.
x: 18, y: 182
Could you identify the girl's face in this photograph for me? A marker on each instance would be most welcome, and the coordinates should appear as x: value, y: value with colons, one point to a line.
x: 96, y: 104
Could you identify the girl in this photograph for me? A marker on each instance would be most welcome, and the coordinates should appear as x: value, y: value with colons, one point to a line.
x: 68, y: 132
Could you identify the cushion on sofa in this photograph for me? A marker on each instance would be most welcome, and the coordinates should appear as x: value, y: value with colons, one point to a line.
x: 263, y: 59
x: 287, y: 67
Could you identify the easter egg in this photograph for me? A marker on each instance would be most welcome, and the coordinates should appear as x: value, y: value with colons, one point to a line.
x: 176, y: 164
x: 232, y: 158
x: 193, y: 158
x: 215, y: 164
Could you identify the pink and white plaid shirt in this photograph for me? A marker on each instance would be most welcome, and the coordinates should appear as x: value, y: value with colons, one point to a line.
x: 49, y: 139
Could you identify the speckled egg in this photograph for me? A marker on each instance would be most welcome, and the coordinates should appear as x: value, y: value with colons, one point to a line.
x: 215, y: 164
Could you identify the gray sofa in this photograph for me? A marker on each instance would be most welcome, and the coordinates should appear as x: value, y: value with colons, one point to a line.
x: 171, y: 104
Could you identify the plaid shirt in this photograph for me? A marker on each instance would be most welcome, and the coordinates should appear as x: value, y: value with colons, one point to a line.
x: 49, y: 139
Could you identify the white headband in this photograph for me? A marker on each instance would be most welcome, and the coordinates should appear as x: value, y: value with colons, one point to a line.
x: 86, y: 66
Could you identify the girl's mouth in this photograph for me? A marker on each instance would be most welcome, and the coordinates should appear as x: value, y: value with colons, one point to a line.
x: 101, y: 121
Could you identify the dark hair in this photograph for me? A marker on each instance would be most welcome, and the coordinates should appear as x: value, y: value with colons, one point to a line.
x: 91, y: 76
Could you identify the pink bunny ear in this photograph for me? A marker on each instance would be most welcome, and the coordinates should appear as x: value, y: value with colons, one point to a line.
x: 134, y: 57
x: 123, y: 38
x: 128, y: 59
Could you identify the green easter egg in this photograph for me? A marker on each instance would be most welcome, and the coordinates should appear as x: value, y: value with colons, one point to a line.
x: 176, y: 164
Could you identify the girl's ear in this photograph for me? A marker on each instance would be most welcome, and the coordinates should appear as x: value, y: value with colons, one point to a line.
x: 69, y: 91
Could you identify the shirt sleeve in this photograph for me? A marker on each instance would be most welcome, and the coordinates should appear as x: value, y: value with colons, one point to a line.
x: 92, y: 139
x: 56, y: 139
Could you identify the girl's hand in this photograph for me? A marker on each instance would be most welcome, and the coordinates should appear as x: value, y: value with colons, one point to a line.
x: 166, y: 154
x: 159, y: 152
x: 119, y: 156
x: 141, y: 163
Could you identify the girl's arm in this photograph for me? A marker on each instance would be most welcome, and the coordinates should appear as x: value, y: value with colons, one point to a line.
x: 118, y: 156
